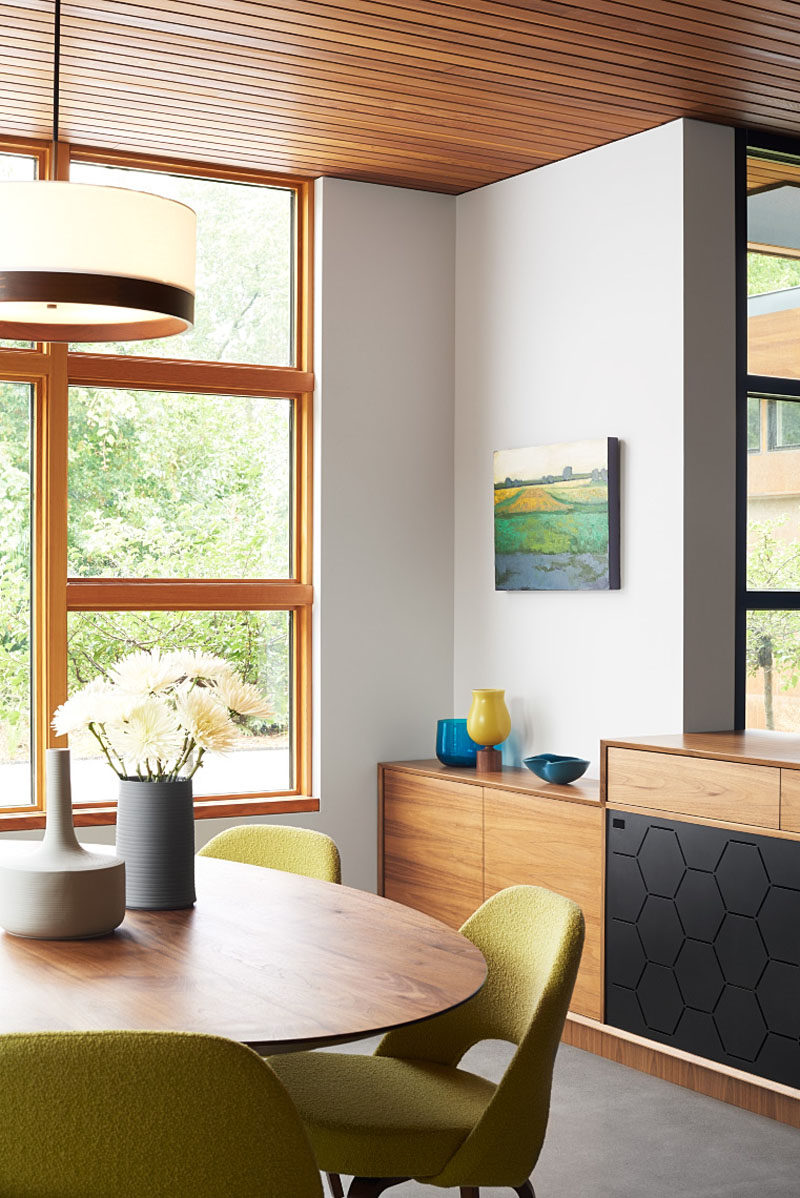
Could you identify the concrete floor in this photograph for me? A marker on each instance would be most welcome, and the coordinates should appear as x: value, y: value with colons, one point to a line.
x: 616, y: 1133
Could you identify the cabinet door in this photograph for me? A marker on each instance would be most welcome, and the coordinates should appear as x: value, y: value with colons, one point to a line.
x: 433, y: 845
x: 703, y: 941
x: 558, y: 845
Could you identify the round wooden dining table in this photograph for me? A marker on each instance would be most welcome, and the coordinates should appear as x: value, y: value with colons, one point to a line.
x: 274, y: 960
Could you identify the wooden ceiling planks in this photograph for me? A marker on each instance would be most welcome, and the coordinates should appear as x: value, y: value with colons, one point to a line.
x: 442, y: 96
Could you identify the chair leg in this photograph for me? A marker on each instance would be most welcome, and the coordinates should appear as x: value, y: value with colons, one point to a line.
x: 525, y: 1190
x: 335, y: 1185
x: 371, y: 1187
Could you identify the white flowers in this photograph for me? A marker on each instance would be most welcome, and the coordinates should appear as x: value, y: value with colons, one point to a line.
x: 149, y: 732
x: 207, y: 721
x: 241, y: 697
x: 159, y: 713
x: 148, y: 673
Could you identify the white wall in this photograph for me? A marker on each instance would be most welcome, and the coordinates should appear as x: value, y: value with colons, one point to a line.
x: 575, y: 284
x: 383, y: 497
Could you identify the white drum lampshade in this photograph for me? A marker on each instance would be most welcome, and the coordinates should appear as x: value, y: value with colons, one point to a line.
x: 80, y: 262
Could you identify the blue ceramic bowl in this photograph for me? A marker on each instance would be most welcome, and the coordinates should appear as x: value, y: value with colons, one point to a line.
x: 553, y: 768
x: 454, y: 745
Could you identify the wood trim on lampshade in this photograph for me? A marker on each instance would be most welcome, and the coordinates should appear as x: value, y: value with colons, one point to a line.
x: 175, y: 304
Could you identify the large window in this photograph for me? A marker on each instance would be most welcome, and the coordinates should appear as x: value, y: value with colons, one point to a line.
x: 769, y: 603
x: 156, y: 494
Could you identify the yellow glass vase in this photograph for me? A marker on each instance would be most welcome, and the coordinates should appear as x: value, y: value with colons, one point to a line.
x: 488, y: 723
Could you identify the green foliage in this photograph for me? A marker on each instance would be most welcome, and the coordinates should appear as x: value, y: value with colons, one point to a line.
x: 186, y: 486
x: 773, y: 637
x: 15, y: 580
x: 768, y: 272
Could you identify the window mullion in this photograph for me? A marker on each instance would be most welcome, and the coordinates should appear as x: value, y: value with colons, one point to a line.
x: 50, y: 553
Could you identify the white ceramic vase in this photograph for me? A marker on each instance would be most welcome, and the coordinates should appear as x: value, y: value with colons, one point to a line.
x: 60, y: 891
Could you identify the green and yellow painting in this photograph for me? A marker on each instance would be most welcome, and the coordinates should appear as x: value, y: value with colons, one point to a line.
x: 556, y: 517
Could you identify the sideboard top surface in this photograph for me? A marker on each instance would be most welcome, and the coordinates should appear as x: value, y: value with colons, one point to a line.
x: 586, y: 790
x: 751, y: 747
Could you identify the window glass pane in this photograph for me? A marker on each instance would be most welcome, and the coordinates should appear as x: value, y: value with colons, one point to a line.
x: 773, y: 670
x: 184, y: 486
x: 783, y: 424
x: 245, y: 251
x: 773, y: 502
x: 753, y: 424
x: 15, y: 595
x: 257, y: 644
x: 16, y: 167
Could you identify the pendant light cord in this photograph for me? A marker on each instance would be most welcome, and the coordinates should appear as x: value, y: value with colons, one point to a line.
x: 56, y: 89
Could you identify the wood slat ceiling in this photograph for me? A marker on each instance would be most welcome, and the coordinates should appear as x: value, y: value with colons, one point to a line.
x: 443, y: 96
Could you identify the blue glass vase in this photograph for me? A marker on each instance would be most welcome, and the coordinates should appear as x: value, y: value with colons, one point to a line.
x: 454, y: 745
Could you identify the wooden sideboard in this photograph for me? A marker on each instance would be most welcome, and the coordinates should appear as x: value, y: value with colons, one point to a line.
x: 449, y: 838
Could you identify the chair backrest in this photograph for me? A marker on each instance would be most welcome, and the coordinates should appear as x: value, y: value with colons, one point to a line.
x: 162, y: 1114
x: 532, y: 941
x: 276, y: 846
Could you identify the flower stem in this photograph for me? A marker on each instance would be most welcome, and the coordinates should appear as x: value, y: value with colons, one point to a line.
x: 105, y: 748
x: 197, y: 764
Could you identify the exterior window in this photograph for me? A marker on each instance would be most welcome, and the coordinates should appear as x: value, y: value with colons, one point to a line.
x: 16, y: 518
x: 769, y: 596
x: 22, y: 167
x: 157, y: 495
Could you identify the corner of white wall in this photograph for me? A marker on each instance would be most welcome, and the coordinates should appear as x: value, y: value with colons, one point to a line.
x: 571, y: 318
x: 383, y: 641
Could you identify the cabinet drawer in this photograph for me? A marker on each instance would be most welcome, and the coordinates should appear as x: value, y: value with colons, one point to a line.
x: 544, y: 842
x: 723, y: 790
x: 790, y: 800
x: 433, y: 845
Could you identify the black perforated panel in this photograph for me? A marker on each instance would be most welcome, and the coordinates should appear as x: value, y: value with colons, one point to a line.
x: 703, y: 941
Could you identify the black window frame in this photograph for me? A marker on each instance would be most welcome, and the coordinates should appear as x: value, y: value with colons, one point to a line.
x: 757, y: 387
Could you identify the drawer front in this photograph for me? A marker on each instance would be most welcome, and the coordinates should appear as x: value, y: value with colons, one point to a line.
x: 723, y: 790
x: 703, y: 941
x: 433, y: 845
x: 790, y: 800
x: 543, y: 842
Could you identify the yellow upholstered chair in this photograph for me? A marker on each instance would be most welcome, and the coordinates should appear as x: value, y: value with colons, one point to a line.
x: 408, y: 1111
x: 146, y: 1115
x: 294, y: 850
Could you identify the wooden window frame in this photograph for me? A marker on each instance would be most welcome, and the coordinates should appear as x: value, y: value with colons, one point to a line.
x: 51, y: 369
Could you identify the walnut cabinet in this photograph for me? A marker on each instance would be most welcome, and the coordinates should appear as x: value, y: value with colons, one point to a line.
x: 450, y: 839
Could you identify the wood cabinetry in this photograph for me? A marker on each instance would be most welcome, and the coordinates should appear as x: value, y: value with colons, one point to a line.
x: 705, y: 789
x: 790, y: 800
x: 705, y: 889
x: 432, y: 845
x: 448, y: 843
x: 544, y: 842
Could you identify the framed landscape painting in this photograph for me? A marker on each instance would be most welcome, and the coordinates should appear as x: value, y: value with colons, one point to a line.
x: 556, y: 517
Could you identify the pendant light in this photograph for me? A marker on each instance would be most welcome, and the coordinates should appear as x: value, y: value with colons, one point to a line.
x: 80, y: 262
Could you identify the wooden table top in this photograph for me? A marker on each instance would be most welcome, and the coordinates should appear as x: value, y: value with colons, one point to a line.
x: 276, y: 961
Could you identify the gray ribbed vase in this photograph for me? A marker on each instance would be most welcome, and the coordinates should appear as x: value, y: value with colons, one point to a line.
x: 155, y: 838
x: 60, y: 891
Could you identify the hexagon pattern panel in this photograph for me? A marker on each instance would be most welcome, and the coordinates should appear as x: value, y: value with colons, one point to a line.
x: 703, y: 941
